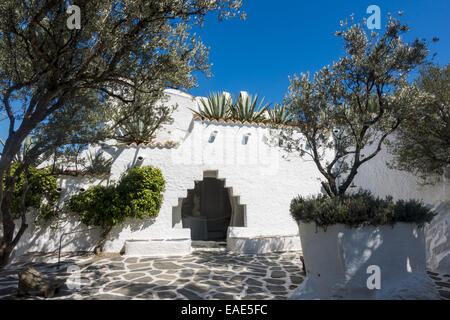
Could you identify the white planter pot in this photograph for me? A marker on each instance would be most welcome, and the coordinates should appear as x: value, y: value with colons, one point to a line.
x: 339, y: 263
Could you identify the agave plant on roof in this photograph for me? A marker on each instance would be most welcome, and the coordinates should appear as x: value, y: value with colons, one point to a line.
x: 280, y: 115
x: 98, y: 164
x: 216, y: 106
x: 247, y: 109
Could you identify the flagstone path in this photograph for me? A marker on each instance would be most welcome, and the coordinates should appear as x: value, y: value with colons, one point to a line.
x: 202, y: 275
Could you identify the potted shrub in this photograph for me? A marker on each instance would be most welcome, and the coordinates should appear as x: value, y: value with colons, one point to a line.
x: 351, y: 240
x: 341, y: 119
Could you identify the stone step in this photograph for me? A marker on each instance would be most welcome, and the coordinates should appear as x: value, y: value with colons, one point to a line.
x: 209, y: 246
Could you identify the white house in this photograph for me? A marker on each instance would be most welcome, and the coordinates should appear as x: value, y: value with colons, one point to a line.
x: 229, y: 181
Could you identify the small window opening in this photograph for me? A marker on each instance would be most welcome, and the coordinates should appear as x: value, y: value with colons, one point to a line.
x: 212, y: 137
x: 245, y: 138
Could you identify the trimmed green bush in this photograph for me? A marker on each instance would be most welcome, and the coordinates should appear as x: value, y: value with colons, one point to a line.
x: 140, y: 190
x: 98, y: 206
x: 358, y: 209
x: 137, y: 195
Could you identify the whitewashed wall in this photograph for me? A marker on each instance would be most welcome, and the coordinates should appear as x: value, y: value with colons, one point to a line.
x: 260, y: 174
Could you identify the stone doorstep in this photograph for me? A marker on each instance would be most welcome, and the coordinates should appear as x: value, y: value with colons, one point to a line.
x: 209, y: 249
x: 256, y: 244
x: 264, y: 237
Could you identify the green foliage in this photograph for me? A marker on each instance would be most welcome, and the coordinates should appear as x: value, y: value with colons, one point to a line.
x: 247, y: 109
x: 358, y: 209
x: 137, y: 195
x: 280, y: 115
x: 422, y: 145
x: 98, y: 206
x: 142, y: 125
x: 40, y: 193
x: 220, y: 106
x: 141, y: 191
x: 362, y: 99
x: 217, y: 106
x: 62, y: 86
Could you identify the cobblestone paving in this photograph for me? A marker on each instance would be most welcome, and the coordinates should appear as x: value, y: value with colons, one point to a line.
x: 202, y: 275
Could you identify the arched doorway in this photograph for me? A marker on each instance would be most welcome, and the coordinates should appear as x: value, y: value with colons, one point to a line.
x: 207, y: 210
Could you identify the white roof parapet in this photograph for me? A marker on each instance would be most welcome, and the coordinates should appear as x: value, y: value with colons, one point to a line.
x: 178, y: 92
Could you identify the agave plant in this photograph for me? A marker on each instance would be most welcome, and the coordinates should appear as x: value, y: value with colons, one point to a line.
x: 98, y: 164
x: 247, y: 109
x: 280, y: 115
x: 141, y: 127
x: 217, y: 106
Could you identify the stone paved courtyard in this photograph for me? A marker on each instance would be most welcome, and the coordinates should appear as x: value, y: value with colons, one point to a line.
x: 202, y: 275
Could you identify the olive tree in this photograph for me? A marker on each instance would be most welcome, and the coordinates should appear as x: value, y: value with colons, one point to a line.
x: 355, y: 103
x: 422, y: 143
x: 50, y: 72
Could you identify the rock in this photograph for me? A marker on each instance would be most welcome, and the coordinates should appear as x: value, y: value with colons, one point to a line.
x: 133, y: 276
x: 278, y: 274
x: 189, y: 294
x: 223, y: 296
x: 134, y: 289
x: 275, y: 281
x: 296, y: 280
x: 115, y: 285
x: 196, y: 288
x: 252, y: 290
x: 237, y: 279
x: 166, y: 276
x: 138, y: 266
x: 116, y: 266
x: 276, y: 288
x: 167, y: 295
x: 253, y: 282
x: 187, y: 273
x: 30, y: 280
x: 109, y: 297
x: 166, y: 265
x: 144, y: 280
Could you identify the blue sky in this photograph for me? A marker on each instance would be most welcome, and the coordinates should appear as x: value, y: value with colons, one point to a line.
x: 283, y: 37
